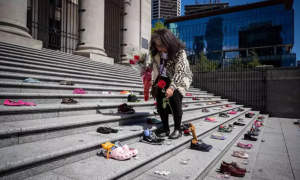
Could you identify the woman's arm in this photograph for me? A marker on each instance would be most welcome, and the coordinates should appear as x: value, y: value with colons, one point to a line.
x: 180, y: 67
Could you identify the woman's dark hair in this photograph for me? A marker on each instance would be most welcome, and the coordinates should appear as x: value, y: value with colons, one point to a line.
x: 168, y: 40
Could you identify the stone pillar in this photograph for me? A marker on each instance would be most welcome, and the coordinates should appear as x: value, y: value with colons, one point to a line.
x: 92, y: 38
x: 132, y: 22
x: 13, y: 20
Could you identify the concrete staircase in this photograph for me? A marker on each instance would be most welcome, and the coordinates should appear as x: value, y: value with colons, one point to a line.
x: 57, y: 141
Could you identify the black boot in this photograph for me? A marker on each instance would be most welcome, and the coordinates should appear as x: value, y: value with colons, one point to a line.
x: 165, y: 130
x: 176, y: 134
x: 163, y: 133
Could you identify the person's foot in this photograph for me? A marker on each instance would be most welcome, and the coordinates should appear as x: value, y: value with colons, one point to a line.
x: 163, y: 133
x: 175, y: 134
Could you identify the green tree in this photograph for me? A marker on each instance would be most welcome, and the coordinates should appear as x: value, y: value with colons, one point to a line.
x: 237, y: 64
x: 158, y: 25
x: 204, y: 64
x: 254, y: 59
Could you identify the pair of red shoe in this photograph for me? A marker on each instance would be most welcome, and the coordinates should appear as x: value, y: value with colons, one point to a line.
x: 232, y: 168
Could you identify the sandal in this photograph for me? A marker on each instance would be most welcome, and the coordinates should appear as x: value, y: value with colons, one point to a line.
x: 68, y: 101
x: 195, y: 98
x: 64, y: 82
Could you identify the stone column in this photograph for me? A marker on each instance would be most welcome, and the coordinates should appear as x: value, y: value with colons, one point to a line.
x: 13, y: 16
x: 92, y: 38
x: 13, y: 20
x: 132, y: 22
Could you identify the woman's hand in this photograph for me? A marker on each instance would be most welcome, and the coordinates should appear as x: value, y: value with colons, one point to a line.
x: 169, y: 93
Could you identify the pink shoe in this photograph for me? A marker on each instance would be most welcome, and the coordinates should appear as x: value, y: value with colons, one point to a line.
x: 227, y: 105
x: 119, y: 153
x: 210, y: 119
x: 126, y: 148
x: 231, y: 112
x: 79, y: 91
x: 27, y: 103
x: 240, y: 154
x: 8, y: 102
x: 189, y: 94
x: 246, y: 146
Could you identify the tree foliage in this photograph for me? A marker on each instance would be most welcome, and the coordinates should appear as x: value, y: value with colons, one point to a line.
x: 254, y: 59
x: 204, y: 64
x: 158, y: 25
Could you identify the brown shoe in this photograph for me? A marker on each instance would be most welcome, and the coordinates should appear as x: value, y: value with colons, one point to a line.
x: 236, y: 166
x: 231, y: 170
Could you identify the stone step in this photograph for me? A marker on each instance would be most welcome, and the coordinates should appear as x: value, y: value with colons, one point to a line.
x: 20, y: 77
x: 12, y: 87
x: 23, y: 160
x: 48, y: 79
x: 19, y: 132
x: 61, y: 56
x: 227, y: 156
x: 6, y: 61
x: 53, y: 97
x: 23, y: 58
x: 20, y: 113
x: 195, y: 170
x: 63, y: 75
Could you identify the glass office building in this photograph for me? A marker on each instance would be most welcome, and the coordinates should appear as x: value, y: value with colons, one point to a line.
x: 267, y: 27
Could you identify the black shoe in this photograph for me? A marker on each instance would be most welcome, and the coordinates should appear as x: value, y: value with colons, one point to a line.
x: 238, y: 124
x: 249, y: 137
x: 163, y: 133
x: 175, y: 134
x: 150, y: 138
x: 125, y: 109
x: 201, y: 146
x: 106, y: 130
x: 249, y: 115
x: 252, y: 133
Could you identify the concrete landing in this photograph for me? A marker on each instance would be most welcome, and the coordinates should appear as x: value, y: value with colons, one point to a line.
x: 279, y: 156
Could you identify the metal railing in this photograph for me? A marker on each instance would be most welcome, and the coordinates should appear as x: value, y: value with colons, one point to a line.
x: 233, y: 79
x: 55, y: 23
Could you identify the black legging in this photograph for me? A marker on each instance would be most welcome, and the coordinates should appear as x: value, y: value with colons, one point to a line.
x: 176, y: 104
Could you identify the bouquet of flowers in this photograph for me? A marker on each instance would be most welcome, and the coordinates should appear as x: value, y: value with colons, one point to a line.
x: 138, y: 61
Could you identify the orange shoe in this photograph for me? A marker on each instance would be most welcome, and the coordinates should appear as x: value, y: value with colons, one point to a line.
x: 124, y: 92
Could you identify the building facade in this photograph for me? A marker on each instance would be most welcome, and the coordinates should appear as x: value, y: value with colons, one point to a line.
x: 200, y: 8
x: 99, y: 29
x: 267, y: 27
x: 165, y: 9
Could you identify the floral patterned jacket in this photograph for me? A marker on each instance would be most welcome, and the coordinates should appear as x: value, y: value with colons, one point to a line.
x: 178, y: 71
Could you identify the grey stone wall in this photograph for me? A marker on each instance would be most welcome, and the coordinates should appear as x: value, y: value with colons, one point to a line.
x: 283, y: 85
x: 246, y: 87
